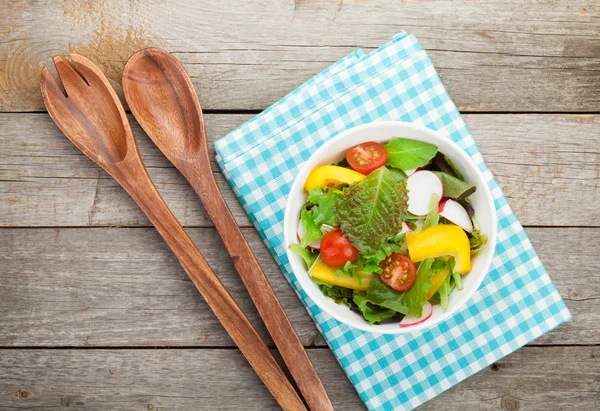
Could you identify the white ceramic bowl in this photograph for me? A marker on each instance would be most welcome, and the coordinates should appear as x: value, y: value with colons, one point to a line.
x: 333, y: 151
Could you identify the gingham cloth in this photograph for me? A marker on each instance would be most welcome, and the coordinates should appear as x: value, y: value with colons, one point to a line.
x: 517, y: 301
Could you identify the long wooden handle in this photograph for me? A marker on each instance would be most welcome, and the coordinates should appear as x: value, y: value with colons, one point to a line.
x: 259, y: 288
x: 218, y: 298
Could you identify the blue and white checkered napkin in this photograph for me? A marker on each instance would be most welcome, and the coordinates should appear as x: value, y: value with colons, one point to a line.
x: 517, y: 301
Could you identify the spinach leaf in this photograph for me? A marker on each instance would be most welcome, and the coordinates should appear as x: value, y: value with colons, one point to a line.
x: 372, y: 313
x: 372, y: 210
x: 312, y: 231
x: 307, y: 254
x: 386, y: 297
x: 408, y: 154
x: 453, y: 187
x: 442, y: 163
x: 325, y: 202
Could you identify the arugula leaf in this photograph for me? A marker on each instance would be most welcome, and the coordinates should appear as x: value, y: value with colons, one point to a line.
x: 433, y: 218
x: 312, y: 231
x: 325, y: 202
x: 372, y: 210
x: 408, y: 154
x: 414, y: 297
x: 372, y: 313
x: 307, y: 255
x: 453, y: 187
x: 386, y: 297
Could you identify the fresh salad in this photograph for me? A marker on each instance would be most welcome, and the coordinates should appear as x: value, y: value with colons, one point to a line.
x: 389, y: 231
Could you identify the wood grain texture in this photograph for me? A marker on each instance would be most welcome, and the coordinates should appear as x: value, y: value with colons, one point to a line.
x: 492, y: 56
x: 532, y: 378
x: 122, y: 287
x: 548, y: 166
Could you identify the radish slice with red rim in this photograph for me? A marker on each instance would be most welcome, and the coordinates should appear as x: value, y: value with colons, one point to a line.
x: 411, y: 172
x: 409, y: 320
x: 452, y: 211
x: 421, y: 186
x: 406, y: 228
x: 300, y: 233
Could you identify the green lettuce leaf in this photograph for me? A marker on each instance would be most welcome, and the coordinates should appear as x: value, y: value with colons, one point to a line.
x: 368, y: 263
x: 453, y: 187
x: 307, y: 254
x: 372, y: 210
x: 372, y: 313
x: 444, y: 292
x: 477, y: 240
x: 312, y: 230
x: 340, y: 295
x: 325, y: 202
x: 408, y: 154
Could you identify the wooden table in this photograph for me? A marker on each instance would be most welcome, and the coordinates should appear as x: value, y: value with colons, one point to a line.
x: 95, y: 313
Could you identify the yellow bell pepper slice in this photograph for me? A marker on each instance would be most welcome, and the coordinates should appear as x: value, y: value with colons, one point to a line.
x: 436, y: 282
x: 326, y: 273
x: 438, y: 241
x: 331, y: 176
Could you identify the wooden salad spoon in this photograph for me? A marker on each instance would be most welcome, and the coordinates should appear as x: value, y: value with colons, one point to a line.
x: 92, y: 117
x: 163, y: 100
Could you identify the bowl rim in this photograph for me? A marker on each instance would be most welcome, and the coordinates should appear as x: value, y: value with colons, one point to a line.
x: 325, y: 148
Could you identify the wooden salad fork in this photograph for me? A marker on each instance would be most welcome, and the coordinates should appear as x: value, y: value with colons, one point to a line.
x: 92, y: 117
x: 163, y: 100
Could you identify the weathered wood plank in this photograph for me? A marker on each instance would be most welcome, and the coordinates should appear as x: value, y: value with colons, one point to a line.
x: 122, y: 287
x: 553, y: 378
x: 492, y: 56
x: 548, y: 165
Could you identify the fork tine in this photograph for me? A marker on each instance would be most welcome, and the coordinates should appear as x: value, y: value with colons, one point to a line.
x: 50, y: 89
x: 89, y: 70
x: 72, y: 81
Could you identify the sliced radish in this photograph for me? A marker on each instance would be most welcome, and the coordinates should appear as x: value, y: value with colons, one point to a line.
x: 405, y: 228
x: 454, y: 212
x: 411, y: 172
x: 409, y: 320
x: 421, y: 186
x: 300, y: 233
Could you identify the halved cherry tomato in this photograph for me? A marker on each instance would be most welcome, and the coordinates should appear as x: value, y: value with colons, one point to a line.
x: 336, y: 249
x: 398, y: 272
x: 367, y: 157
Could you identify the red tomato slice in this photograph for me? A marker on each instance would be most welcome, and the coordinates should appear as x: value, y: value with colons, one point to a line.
x: 336, y: 249
x: 367, y: 157
x: 398, y: 272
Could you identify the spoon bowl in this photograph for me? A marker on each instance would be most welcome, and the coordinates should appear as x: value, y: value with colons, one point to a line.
x: 167, y: 102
